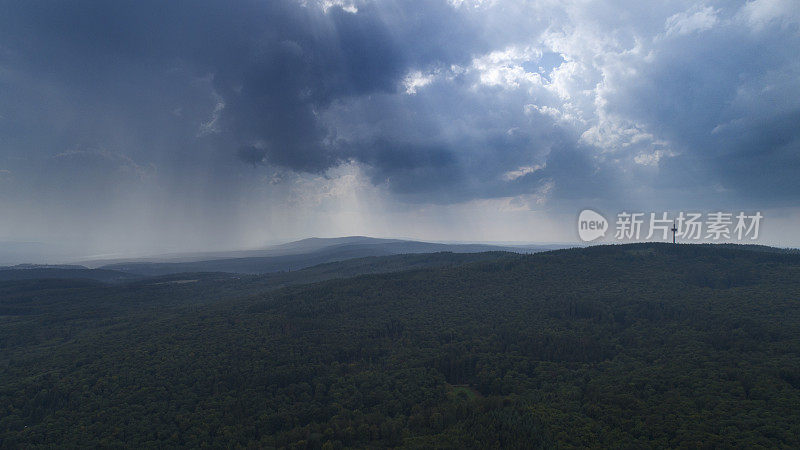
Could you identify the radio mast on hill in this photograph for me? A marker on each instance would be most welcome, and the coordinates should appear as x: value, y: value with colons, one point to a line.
x: 674, y: 230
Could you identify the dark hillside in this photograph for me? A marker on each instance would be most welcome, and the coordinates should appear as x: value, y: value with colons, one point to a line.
x: 641, y: 345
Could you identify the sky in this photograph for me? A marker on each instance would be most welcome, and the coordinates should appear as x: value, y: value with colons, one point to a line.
x: 141, y: 127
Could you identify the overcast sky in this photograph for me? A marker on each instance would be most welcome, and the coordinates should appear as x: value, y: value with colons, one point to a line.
x: 150, y: 126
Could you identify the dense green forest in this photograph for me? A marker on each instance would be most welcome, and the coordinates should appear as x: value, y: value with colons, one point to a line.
x: 110, y: 276
x: 643, y: 345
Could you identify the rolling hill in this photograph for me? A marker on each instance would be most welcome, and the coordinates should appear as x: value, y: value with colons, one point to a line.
x: 33, y: 272
x: 643, y: 345
x: 304, y: 253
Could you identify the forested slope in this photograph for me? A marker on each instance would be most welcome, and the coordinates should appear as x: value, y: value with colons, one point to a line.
x: 632, y: 346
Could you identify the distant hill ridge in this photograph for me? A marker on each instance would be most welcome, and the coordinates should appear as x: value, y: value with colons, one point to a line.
x: 308, y: 252
x: 16, y: 273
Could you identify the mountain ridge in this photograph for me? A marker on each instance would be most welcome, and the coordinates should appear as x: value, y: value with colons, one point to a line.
x: 309, y: 252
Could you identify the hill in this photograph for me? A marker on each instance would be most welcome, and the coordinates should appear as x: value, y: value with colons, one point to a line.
x: 643, y: 345
x: 305, y: 253
x: 32, y: 272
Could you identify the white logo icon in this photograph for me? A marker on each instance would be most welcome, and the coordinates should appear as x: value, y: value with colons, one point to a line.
x: 591, y: 225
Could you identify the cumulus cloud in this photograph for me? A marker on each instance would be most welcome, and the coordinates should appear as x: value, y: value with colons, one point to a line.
x: 521, y: 172
x: 694, y: 20
x: 761, y: 13
x: 416, y: 80
x: 544, y: 104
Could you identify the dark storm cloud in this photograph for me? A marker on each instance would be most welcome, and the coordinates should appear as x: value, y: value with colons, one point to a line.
x: 272, y: 65
x: 191, y: 87
x: 726, y: 100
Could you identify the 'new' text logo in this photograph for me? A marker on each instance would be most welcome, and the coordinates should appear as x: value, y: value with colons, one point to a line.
x: 591, y: 225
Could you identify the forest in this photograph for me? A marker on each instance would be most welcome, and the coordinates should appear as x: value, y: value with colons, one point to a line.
x: 624, y: 346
